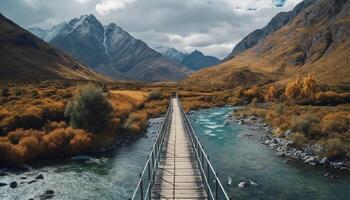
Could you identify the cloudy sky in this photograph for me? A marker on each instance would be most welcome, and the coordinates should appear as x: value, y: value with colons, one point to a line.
x: 211, y: 26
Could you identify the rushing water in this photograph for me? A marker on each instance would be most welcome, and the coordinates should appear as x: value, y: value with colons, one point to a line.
x: 239, y: 158
x: 109, y: 176
x: 114, y: 175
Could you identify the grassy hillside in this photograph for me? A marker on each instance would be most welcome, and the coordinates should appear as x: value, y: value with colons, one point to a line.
x: 314, y: 42
x: 26, y: 57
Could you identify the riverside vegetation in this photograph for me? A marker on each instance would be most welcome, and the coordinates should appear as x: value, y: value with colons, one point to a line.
x: 51, y: 119
x: 306, y: 115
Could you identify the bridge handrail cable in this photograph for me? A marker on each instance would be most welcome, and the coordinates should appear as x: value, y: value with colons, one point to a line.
x: 212, y: 183
x: 147, y: 176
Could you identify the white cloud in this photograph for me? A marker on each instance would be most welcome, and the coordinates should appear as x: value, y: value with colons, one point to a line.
x: 105, y: 6
x: 82, y: 1
x: 211, y: 26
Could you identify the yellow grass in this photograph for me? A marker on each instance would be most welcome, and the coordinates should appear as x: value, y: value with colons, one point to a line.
x: 138, y: 96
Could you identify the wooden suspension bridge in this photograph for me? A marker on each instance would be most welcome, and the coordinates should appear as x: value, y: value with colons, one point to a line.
x: 177, y: 166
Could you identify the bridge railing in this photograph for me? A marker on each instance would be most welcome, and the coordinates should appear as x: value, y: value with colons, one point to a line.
x: 211, y: 181
x: 147, y: 176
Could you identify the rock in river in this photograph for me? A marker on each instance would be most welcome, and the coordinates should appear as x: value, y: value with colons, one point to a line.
x: 3, y: 184
x: 40, y: 177
x: 49, y: 192
x: 323, y: 161
x: 243, y: 184
x: 13, y: 184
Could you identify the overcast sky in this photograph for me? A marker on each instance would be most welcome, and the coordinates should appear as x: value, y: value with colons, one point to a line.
x: 211, y: 26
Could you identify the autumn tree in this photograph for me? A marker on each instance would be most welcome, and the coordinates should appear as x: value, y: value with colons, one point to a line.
x: 309, y: 87
x: 294, y: 88
x: 270, y: 93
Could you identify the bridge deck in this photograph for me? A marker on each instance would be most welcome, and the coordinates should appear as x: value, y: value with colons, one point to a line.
x: 178, y: 176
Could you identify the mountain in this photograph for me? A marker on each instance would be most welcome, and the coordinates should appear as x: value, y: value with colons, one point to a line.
x: 276, y: 23
x: 197, y: 60
x: 169, y: 52
x: 26, y: 57
x: 316, y: 41
x: 111, y: 50
x: 194, y: 61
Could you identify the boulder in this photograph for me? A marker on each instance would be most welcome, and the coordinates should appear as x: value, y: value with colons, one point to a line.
x: 40, y: 177
x: 49, y: 192
x: 323, y: 161
x: 275, y: 141
x: 13, y: 184
x: 339, y: 164
x: 311, y: 160
x: 243, y: 184
x: 2, y: 184
x: 32, y: 181
x: 287, y: 133
x: 281, y: 154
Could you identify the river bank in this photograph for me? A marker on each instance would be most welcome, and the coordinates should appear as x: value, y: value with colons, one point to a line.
x: 287, y: 148
x: 238, y: 156
x: 111, y: 174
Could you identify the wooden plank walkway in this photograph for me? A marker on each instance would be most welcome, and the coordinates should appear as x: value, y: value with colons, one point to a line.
x: 178, y: 176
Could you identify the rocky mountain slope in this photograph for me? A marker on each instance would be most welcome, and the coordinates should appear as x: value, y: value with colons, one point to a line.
x: 169, y: 52
x: 111, y: 50
x: 23, y: 56
x: 316, y: 41
x: 276, y: 23
x: 195, y: 60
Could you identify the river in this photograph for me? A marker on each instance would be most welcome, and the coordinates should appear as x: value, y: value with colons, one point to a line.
x: 113, y: 175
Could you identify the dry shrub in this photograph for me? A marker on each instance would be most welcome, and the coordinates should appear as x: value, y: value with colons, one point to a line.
x: 5, y: 91
x: 53, y: 111
x: 254, y: 93
x: 155, y: 108
x: 334, y: 148
x: 63, y: 141
x: 30, y: 118
x: 332, y: 98
x: 299, y: 139
x: 308, y: 124
x: 239, y: 92
x: 89, y: 110
x: 51, y: 125
x: 21, y: 146
x: 309, y: 87
x: 336, y: 122
x: 251, y: 111
x: 136, y: 122
x: 271, y: 93
x: 305, y: 88
x: 155, y: 94
x: 293, y: 89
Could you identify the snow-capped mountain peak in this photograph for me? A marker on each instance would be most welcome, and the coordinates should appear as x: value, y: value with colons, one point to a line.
x: 169, y: 52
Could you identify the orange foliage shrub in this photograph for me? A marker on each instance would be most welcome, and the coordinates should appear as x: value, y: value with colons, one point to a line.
x: 293, y: 89
x: 309, y: 87
x: 271, y: 93
x: 21, y: 146
x: 332, y: 98
x: 254, y: 93
x: 336, y: 122
x: 136, y: 122
x: 305, y: 88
